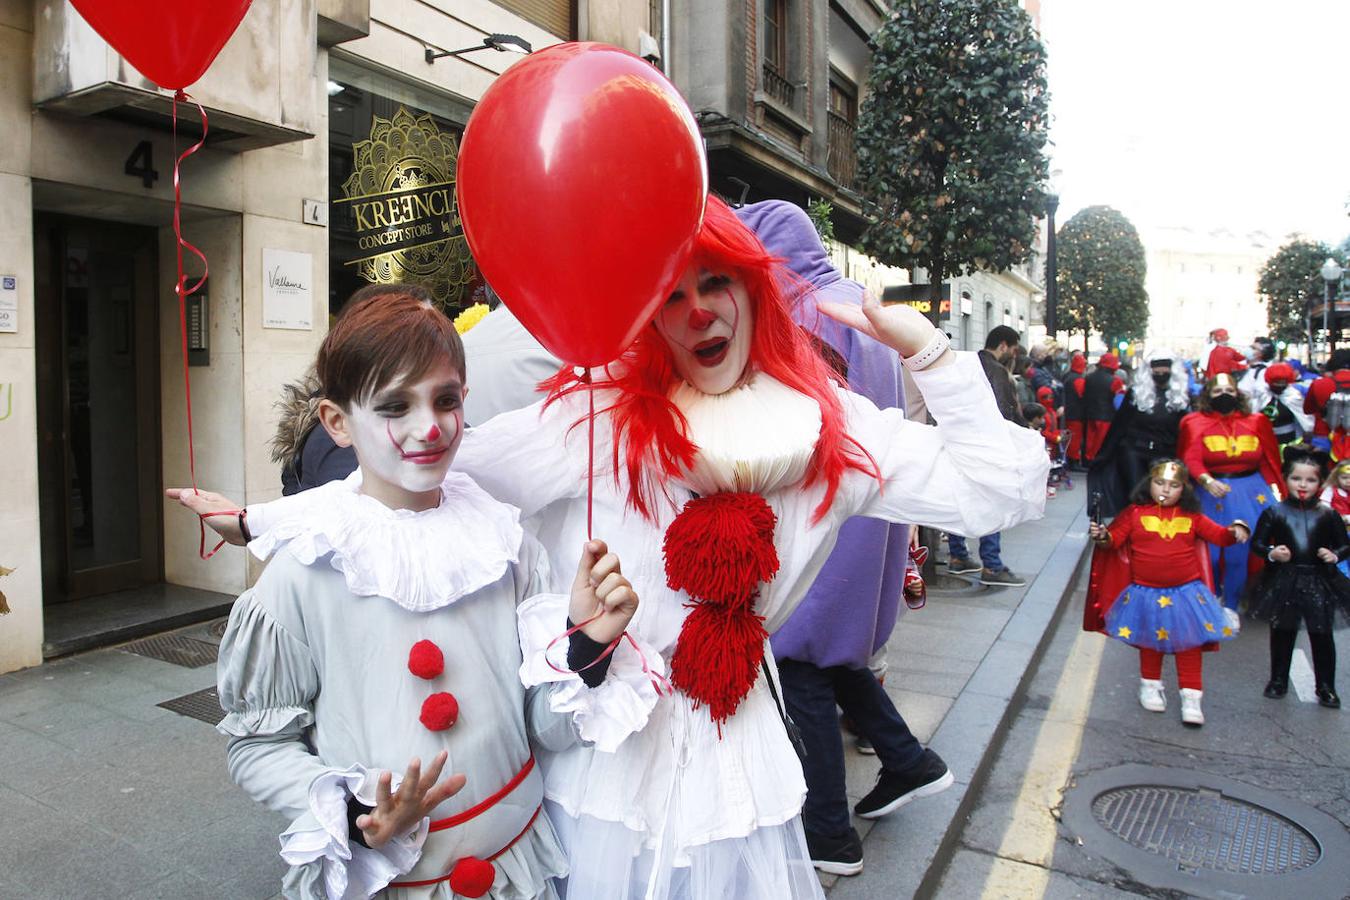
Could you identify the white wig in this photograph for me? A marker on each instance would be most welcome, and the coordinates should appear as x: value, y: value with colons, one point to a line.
x: 1145, y: 392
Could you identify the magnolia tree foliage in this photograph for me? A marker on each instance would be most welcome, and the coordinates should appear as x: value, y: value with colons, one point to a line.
x: 1288, y: 280
x: 1101, y: 276
x: 951, y: 137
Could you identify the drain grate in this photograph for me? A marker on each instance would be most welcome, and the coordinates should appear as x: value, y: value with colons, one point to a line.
x: 1204, y: 830
x: 187, y: 652
x: 202, y: 705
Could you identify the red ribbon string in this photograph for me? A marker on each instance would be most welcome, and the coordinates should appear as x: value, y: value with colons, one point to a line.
x: 183, y: 292
x: 590, y: 456
x: 659, y: 682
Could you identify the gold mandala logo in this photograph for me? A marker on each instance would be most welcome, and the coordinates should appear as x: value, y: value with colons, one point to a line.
x: 402, y: 198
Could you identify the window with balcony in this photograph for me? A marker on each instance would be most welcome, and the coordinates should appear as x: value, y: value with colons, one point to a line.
x: 841, y: 161
x: 776, y: 83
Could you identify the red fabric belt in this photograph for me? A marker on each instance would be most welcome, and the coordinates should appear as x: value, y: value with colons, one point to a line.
x: 483, y: 806
x: 510, y: 844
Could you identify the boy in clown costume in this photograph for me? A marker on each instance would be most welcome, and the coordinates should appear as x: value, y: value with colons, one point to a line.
x: 1150, y: 584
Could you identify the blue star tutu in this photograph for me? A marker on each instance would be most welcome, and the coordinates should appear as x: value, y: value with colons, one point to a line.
x: 1168, y: 619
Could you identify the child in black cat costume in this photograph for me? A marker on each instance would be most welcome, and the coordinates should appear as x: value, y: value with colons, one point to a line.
x: 1302, y: 540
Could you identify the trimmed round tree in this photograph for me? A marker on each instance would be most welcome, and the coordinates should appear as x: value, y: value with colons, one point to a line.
x: 951, y: 137
x: 1288, y: 280
x: 1101, y: 276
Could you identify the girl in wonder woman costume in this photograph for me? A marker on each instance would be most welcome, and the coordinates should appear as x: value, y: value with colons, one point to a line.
x: 727, y: 459
x: 1158, y: 544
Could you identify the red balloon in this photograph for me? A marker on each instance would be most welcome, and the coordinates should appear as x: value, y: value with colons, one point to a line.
x: 581, y: 186
x: 171, y: 42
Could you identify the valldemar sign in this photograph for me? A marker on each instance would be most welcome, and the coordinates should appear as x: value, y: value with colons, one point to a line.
x: 401, y: 200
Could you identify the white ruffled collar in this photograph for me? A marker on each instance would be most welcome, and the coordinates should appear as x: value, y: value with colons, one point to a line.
x: 757, y: 437
x: 420, y: 560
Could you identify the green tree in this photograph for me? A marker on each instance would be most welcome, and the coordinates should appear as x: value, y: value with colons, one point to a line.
x: 951, y: 137
x: 1288, y: 280
x: 1101, y: 276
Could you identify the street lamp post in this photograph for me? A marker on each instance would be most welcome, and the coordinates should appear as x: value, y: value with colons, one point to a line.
x: 1051, y: 269
x: 1331, y: 273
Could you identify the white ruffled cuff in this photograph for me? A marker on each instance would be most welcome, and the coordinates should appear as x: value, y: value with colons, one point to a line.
x: 349, y: 870
x: 606, y: 714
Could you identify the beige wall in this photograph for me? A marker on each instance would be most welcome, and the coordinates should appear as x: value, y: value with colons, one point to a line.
x: 21, y: 630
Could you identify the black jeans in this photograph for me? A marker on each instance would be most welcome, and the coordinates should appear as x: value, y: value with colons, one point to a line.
x: 811, y: 694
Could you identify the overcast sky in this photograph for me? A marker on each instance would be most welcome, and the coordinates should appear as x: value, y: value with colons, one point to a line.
x: 1205, y: 113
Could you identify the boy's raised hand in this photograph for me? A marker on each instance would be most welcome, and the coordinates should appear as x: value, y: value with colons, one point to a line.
x: 205, y: 502
x: 601, y: 592
x: 398, y: 812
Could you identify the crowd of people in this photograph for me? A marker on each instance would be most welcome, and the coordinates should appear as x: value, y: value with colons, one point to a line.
x: 1227, y: 485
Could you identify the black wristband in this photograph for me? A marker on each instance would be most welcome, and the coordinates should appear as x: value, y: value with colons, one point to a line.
x: 243, y: 526
x: 581, y: 652
x: 356, y: 809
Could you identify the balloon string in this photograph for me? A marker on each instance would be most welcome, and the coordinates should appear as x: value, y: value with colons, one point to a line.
x: 183, y: 292
x: 659, y: 682
x: 590, y: 457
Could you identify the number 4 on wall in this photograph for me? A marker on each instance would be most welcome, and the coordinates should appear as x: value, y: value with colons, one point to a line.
x: 141, y: 163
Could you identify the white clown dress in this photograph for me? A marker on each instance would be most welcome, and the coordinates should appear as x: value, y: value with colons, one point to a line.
x: 655, y: 803
x: 314, y: 676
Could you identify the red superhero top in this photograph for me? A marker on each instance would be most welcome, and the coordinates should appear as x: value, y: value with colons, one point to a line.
x: 1224, y: 360
x: 1338, y: 500
x: 1210, y: 443
x: 1154, y: 546
x: 1161, y: 542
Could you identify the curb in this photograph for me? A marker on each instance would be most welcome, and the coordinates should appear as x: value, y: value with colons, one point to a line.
x: 973, y: 730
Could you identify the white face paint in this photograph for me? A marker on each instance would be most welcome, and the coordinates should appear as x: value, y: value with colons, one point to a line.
x: 406, y: 435
x: 708, y: 324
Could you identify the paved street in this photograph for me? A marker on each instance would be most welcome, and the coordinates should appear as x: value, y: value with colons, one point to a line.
x: 1081, y: 718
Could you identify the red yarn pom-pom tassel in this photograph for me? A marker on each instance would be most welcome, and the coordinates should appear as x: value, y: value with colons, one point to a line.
x: 720, y: 548
x: 718, y: 656
x: 439, y: 711
x: 425, y: 660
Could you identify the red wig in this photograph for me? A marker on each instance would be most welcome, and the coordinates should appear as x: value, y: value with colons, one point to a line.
x: 650, y: 442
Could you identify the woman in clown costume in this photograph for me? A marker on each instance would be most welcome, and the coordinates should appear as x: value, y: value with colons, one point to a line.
x: 727, y: 459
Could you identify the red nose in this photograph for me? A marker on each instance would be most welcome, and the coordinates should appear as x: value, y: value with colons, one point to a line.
x: 701, y: 319
x: 433, y: 433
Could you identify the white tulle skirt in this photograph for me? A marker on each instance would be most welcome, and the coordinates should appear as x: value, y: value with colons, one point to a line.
x: 608, y: 862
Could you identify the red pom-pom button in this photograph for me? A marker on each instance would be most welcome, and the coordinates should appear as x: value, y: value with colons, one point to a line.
x: 439, y: 712
x: 425, y: 660
x: 472, y: 877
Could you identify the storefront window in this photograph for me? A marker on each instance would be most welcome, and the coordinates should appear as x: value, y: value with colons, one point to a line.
x: 393, y: 216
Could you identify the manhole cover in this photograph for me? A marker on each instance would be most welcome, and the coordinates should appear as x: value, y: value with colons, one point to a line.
x: 1205, y: 835
x: 1201, y: 829
x: 175, y: 648
x: 202, y: 705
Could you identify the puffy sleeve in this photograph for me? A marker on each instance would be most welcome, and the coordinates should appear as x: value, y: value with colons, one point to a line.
x: 973, y: 473
x: 560, y: 707
x: 548, y: 729
x: 267, y: 681
x: 532, y: 456
x: 263, y: 516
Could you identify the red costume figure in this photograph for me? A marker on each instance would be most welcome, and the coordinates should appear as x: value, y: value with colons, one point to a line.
x: 1073, y: 406
x: 1150, y: 585
x: 1050, y: 431
x: 1223, y: 359
x: 1337, y: 493
x: 1320, y: 394
x: 1099, y: 401
x: 1234, y: 456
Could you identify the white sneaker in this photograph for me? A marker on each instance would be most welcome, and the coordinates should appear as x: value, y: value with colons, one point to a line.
x: 1191, y: 714
x: 1151, y: 695
x: 1232, y: 619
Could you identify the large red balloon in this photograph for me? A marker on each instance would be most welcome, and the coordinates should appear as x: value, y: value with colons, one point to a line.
x: 581, y: 186
x: 171, y: 42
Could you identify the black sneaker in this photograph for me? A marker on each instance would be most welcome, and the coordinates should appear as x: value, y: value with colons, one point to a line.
x: 962, y: 565
x: 1001, y: 578
x: 928, y: 776
x: 864, y: 746
x: 840, y: 855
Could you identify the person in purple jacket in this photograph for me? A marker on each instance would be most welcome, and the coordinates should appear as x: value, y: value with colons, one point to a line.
x: 824, y: 648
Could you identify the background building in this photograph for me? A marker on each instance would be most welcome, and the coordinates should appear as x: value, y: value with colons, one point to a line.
x: 1201, y: 280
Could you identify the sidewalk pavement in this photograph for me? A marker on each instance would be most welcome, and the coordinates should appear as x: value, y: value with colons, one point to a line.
x: 955, y: 667
x: 108, y: 794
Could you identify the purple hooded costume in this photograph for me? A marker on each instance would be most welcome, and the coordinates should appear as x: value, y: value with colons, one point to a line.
x: 852, y: 606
